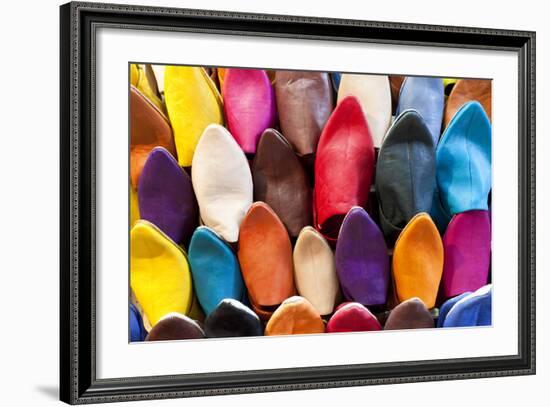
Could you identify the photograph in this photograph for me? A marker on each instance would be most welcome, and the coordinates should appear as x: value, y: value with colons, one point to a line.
x: 268, y: 202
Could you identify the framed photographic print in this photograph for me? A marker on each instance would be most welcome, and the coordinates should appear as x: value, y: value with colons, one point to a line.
x: 256, y: 203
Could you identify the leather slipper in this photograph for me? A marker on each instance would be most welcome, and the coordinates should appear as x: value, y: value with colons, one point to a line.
x: 315, y: 271
x: 281, y: 181
x: 427, y: 97
x: 149, y: 128
x: 295, y: 316
x: 166, y: 196
x: 374, y: 95
x: 159, y: 272
x: 222, y: 182
x: 231, y: 318
x: 446, y: 307
x: 193, y: 103
x: 418, y: 261
x: 463, y: 161
x: 467, y: 248
x: 215, y: 269
x: 410, y: 314
x: 304, y: 103
x: 466, y: 90
x: 405, y: 172
x: 472, y: 310
x: 362, y: 260
x: 353, y: 317
x: 265, y: 256
x: 249, y: 103
x: 344, y: 167
x: 174, y: 327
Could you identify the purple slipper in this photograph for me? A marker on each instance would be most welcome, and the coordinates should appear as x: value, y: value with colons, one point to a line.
x: 166, y: 196
x: 362, y: 261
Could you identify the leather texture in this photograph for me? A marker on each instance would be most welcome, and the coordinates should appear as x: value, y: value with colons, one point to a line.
x: 362, y: 260
x: 193, y: 102
x: 175, y: 326
x: 353, y: 317
x: 222, y: 182
x: 265, y: 256
x: 405, y: 172
x: 374, y: 95
x: 446, y: 307
x: 166, y: 196
x: 427, y: 97
x: 215, y: 269
x: 149, y: 128
x: 467, y: 248
x: 304, y: 103
x: 410, y: 314
x: 472, y: 310
x: 231, y: 318
x: 344, y: 167
x: 466, y: 90
x: 418, y: 261
x: 137, y: 331
x: 281, y: 181
x: 395, y: 87
x: 295, y: 316
x: 463, y: 161
x: 220, y: 72
x: 159, y: 272
x: 249, y: 103
x: 315, y: 271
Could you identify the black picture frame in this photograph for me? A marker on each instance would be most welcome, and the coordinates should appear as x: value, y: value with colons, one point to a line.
x: 78, y: 382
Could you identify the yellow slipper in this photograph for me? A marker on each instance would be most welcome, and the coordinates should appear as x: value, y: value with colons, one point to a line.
x: 159, y: 272
x: 193, y: 103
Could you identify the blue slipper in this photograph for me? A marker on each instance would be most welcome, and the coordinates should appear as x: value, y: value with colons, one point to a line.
x: 446, y: 307
x: 215, y: 269
x: 472, y: 310
x: 463, y: 161
x: 427, y: 97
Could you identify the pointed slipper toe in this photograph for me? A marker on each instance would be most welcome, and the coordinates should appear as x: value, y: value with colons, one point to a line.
x: 159, y: 272
x: 215, y: 269
x: 166, y: 196
x: 362, y: 260
x: 344, y: 167
x: 231, y: 318
x: 295, y: 316
x: 173, y: 327
x: 353, y: 317
x: 193, y: 103
x: 249, y: 103
x: 222, y: 182
x: 265, y: 256
x: 315, y: 271
x: 405, y: 172
x: 467, y: 248
x: 410, y: 314
x: 447, y: 306
x: 304, y: 103
x: 463, y: 161
x: 418, y: 261
x: 281, y: 181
